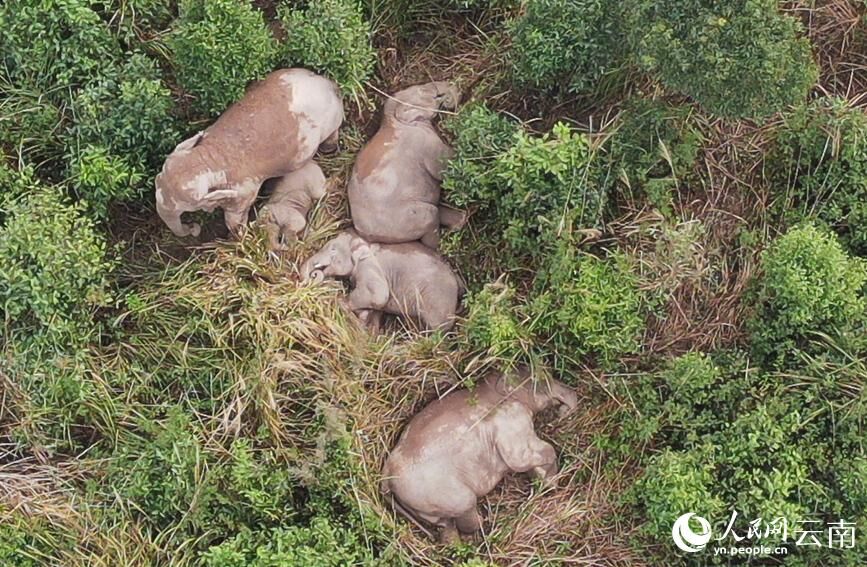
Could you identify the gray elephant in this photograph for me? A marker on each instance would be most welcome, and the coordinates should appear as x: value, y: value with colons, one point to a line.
x: 406, y: 279
x: 394, y: 190
x: 285, y: 214
x: 458, y: 448
x: 273, y: 130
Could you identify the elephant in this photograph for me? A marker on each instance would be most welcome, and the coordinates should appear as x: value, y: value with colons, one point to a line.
x: 395, y: 185
x: 285, y: 214
x: 275, y: 129
x: 406, y: 279
x: 459, y: 447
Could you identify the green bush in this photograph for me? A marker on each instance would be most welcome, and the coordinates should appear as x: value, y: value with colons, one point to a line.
x: 480, y: 136
x: 807, y: 285
x: 653, y: 150
x: 494, y: 322
x: 54, y: 265
x: 820, y: 157
x: 588, y: 306
x: 54, y: 44
x: 738, y: 59
x: 321, y: 544
x: 719, y: 449
x: 218, y: 46
x: 31, y: 123
x: 100, y: 179
x: 331, y: 37
x: 128, y: 111
x: 534, y: 188
x: 565, y: 42
x: 173, y: 480
x: 137, y: 20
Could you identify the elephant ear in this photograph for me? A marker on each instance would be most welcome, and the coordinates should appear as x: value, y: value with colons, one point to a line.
x: 189, y: 143
x: 409, y: 114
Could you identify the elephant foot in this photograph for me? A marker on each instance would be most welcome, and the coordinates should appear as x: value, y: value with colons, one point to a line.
x: 449, y: 534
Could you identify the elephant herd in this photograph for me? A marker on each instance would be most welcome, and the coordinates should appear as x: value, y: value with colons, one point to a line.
x: 458, y: 448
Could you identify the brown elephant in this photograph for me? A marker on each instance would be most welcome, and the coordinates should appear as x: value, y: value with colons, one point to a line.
x: 406, y: 279
x: 284, y: 216
x: 458, y: 448
x: 394, y: 190
x: 273, y: 130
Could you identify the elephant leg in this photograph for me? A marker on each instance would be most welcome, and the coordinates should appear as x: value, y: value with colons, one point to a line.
x: 236, y: 220
x: 431, y: 239
x: 372, y: 319
x: 448, y: 533
x: 294, y: 222
x: 469, y: 522
x: 272, y: 229
x: 453, y: 219
x: 523, y: 451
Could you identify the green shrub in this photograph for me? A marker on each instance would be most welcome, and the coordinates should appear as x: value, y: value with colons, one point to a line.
x: 569, y: 43
x: 137, y: 20
x: 480, y: 136
x: 128, y: 111
x: 494, y: 322
x: 54, y: 44
x: 534, y: 188
x: 330, y: 37
x: 673, y: 484
x: 53, y: 263
x: 173, y: 480
x: 588, y: 306
x: 653, y: 149
x: 739, y: 58
x: 820, y: 156
x: 100, y: 179
x: 30, y: 123
x: 807, y: 285
x: 321, y: 544
x: 719, y: 449
x: 218, y: 47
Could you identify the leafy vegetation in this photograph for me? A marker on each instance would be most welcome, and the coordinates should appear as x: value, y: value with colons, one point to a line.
x: 820, y: 159
x: 700, y: 282
x: 218, y: 46
x: 331, y: 37
x: 739, y: 59
x: 808, y: 283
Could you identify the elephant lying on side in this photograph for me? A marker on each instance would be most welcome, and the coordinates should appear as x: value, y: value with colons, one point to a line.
x: 403, y: 279
x: 273, y: 130
x: 394, y: 190
x: 458, y: 448
x: 285, y: 214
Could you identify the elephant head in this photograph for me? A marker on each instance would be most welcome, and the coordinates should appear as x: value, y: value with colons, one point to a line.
x: 336, y: 259
x: 537, y: 395
x: 421, y: 102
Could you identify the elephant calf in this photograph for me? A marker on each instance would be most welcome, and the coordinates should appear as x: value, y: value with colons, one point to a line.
x: 403, y: 279
x: 458, y: 448
x: 273, y: 130
x: 285, y: 214
x: 394, y: 190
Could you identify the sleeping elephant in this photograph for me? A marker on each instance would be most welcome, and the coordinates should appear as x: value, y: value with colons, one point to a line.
x: 394, y: 190
x: 285, y: 214
x: 273, y: 130
x: 406, y: 279
x: 458, y: 448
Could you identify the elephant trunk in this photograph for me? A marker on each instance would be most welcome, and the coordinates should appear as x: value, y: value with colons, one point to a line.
x: 309, y: 274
